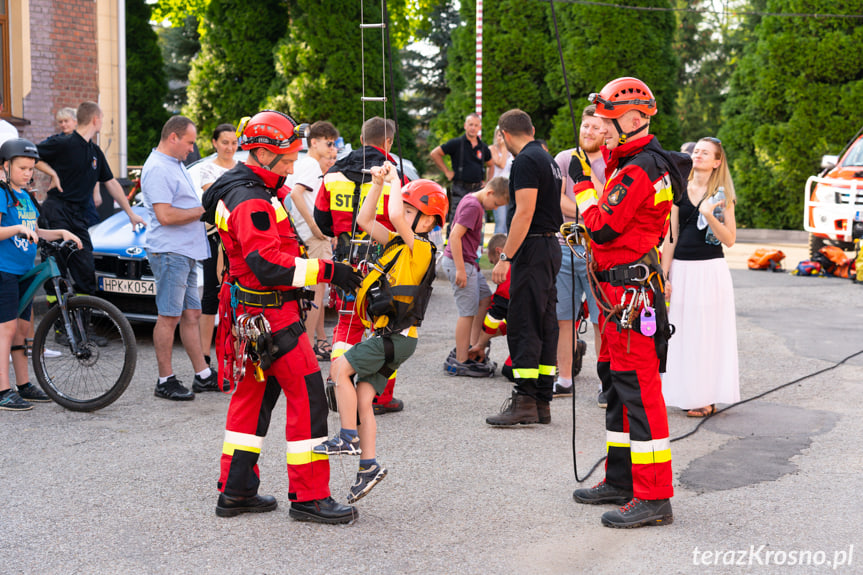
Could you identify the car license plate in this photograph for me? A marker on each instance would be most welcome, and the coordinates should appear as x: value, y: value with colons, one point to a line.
x: 117, y: 285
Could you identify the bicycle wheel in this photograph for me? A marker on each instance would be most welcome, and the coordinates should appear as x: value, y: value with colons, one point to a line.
x: 98, y: 374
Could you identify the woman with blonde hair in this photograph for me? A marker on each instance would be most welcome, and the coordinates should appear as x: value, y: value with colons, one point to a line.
x: 702, y: 356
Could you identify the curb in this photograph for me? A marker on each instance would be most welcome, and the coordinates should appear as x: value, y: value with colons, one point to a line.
x: 767, y: 236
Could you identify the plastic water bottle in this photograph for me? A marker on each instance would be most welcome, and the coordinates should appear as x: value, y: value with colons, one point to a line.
x: 719, y: 214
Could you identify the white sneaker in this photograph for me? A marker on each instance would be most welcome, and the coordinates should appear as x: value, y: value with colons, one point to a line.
x: 51, y: 352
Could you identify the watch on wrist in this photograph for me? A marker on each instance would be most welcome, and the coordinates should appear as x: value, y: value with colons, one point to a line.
x: 503, y: 257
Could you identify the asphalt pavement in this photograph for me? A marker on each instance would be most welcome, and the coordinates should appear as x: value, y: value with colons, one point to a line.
x: 769, y: 486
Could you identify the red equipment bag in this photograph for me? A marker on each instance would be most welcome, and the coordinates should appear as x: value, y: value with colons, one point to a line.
x: 833, y: 261
x: 766, y: 259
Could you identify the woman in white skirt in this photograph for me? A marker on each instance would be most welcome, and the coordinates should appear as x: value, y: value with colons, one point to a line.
x: 702, y: 354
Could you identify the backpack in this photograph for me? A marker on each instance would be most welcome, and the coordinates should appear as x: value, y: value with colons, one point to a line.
x: 808, y: 268
x: 833, y: 261
x: 766, y: 259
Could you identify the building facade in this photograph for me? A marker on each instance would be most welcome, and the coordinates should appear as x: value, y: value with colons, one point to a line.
x: 57, y: 54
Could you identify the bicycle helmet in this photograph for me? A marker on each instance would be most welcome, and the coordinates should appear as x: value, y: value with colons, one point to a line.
x: 428, y: 197
x: 18, y: 147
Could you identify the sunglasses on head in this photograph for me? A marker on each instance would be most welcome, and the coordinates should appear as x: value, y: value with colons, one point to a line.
x: 713, y: 140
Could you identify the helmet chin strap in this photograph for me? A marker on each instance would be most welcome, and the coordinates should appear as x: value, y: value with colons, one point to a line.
x: 416, y: 221
x: 624, y: 136
x: 269, y: 166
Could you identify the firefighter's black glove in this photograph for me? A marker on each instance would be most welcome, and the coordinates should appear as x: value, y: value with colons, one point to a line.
x: 579, y: 167
x: 345, y: 277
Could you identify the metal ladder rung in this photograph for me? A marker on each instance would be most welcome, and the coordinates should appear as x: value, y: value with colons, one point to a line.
x: 373, y: 99
x: 381, y: 25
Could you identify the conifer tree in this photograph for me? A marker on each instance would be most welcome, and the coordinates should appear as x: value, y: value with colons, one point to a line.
x: 146, y: 86
x: 232, y: 74
x: 797, y: 95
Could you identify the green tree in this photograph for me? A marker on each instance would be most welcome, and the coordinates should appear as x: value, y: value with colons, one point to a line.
x: 179, y: 45
x: 797, y: 94
x: 320, y: 76
x: 146, y: 86
x: 517, y: 45
x: 601, y: 43
x: 233, y: 72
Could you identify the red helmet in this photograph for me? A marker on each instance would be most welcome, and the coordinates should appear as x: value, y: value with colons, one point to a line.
x: 274, y: 131
x: 428, y: 197
x: 622, y: 95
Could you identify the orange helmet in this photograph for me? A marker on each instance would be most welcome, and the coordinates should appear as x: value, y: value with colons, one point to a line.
x: 274, y: 131
x: 622, y: 95
x: 428, y: 197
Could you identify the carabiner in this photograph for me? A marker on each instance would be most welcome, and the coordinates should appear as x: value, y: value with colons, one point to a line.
x: 646, y: 272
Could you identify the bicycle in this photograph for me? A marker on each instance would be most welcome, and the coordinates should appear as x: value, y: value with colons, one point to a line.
x: 102, y: 351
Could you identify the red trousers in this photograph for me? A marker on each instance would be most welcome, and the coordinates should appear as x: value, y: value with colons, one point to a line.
x: 636, y: 422
x: 297, y: 376
x: 349, y: 332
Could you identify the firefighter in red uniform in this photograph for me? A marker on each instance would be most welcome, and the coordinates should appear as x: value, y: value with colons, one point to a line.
x: 625, y: 224
x: 336, y: 207
x: 261, y: 328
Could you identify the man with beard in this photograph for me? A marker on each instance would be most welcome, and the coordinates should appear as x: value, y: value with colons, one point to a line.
x: 572, y: 279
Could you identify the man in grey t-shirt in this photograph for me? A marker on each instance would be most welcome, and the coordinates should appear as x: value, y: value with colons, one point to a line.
x: 176, y: 240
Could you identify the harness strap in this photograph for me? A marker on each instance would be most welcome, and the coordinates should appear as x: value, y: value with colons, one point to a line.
x: 266, y: 299
x: 389, y: 356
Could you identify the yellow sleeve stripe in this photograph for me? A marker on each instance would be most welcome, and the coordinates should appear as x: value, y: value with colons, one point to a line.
x: 586, y: 199
x: 305, y: 272
x: 222, y: 215
x: 281, y: 213
x: 664, y: 193
x: 492, y: 323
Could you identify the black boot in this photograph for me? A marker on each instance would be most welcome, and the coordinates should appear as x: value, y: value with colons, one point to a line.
x: 517, y: 410
x: 638, y: 513
x: 323, y: 511
x: 543, y: 411
x: 602, y: 492
x: 233, y: 506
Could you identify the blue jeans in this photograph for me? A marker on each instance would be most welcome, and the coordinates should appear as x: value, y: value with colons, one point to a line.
x: 572, y: 280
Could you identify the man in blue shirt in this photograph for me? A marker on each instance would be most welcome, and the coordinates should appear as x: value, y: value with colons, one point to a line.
x: 175, y: 242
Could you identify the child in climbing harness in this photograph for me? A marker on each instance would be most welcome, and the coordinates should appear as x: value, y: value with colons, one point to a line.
x: 391, y: 301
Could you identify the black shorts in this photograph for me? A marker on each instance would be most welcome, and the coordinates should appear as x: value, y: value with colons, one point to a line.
x: 10, y: 296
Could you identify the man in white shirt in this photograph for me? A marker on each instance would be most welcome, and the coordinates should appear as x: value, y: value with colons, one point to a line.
x: 305, y: 183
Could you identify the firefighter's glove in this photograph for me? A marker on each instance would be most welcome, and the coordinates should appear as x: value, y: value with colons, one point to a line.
x: 345, y: 277
x: 579, y: 170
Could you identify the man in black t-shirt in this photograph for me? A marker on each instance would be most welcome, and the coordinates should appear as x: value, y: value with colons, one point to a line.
x: 76, y: 164
x: 534, y: 255
x: 469, y: 157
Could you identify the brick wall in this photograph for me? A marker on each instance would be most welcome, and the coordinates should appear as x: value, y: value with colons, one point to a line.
x: 63, y: 61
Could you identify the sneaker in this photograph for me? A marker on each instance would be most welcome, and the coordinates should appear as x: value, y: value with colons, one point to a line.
x: 469, y: 368
x: 602, y: 492
x: 639, y: 513
x: 51, y: 353
x: 11, y: 401
x: 209, y: 384
x: 31, y: 393
x: 233, y: 506
x: 392, y: 406
x: 561, y: 390
x: 323, y: 511
x: 338, y: 446
x: 366, y: 479
x: 602, y: 400
x: 61, y: 339
x: 174, y: 390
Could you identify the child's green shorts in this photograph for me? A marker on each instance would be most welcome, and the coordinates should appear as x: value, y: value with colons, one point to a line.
x: 367, y: 358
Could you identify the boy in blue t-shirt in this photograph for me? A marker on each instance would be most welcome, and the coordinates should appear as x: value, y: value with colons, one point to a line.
x: 19, y: 234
